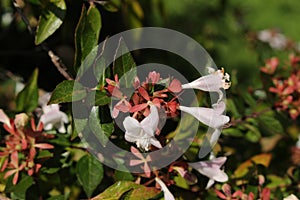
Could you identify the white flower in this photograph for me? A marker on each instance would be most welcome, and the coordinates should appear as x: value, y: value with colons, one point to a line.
x: 298, y: 142
x: 211, y: 82
x: 167, y: 194
x: 4, y: 119
x: 53, y: 117
x: 291, y: 197
x: 275, y: 39
x: 211, y: 117
x: 211, y: 169
x: 142, y: 133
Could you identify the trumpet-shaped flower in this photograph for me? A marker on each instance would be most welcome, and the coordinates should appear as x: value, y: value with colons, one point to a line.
x: 211, y: 82
x: 211, y: 169
x: 212, y: 117
x: 167, y: 194
x: 142, y: 133
x: 53, y: 117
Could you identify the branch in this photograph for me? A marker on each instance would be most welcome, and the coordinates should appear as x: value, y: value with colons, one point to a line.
x: 56, y: 60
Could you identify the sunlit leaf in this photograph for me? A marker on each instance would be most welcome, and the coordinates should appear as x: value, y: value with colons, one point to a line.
x: 67, y: 91
x: 50, y: 20
x: 276, y: 181
x: 27, y: 99
x: 121, y: 187
x: 262, y: 159
x: 89, y: 173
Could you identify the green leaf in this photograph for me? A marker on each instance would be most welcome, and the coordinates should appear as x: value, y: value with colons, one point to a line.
x: 123, y: 176
x: 19, y: 191
x: 181, y: 182
x: 86, y: 34
x: 121, y: 187
x: 57, y: 197
x: 102, y: 131
x: 78, y: 126
x: 124, y: 66
x: 27, y: 99
x: 98, y: 98
x: 253, y: 133
x: 67, y: 91
x: 231, y: 107
x: 234, y: 132
x: 112, y: 5
x: 269, y: 123
x: 44, y: 154
x: 89, y: 173
x: 276, y: 181
x: 50, y: 20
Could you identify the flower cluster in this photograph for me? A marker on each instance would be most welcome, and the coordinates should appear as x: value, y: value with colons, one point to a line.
x: 22, y: 145
x: 286, y: 88
x: 157, y: 97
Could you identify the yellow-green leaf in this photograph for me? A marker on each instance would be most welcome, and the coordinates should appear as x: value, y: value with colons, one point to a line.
x: 50, y: 20
x: 115, y: 191
x: 261, y: 159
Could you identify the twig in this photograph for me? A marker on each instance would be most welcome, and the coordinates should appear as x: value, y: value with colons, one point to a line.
x: 56, y: 60
x: 59, y: 65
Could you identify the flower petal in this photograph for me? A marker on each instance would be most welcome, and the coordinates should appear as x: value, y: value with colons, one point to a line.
x: 133, y: 129
x: 167, y: 194
x: 211, y: 82
x: 207, y: 116
x: 4, y: 119
x: 209, y: 183
x: 211, y: 169
x: 155, y: 142
x: 150, y: 123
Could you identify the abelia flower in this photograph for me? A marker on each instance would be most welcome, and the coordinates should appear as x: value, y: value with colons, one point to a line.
x: 271, y: 65
x: 153, y: 77
x: 237, y: 195
x: 212, y: 82
x: 22, y: 144
x: 142, y: 160
x: 211, y: 117
x: 123, y: 105
x: 53, y: 117
x: 211, y: 169
x: 167, y: 194
x: 291, y: 197
x: 142, y: 133
x: 4, y: 119
x: 274, y: 38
